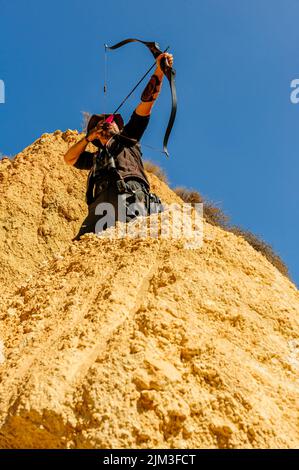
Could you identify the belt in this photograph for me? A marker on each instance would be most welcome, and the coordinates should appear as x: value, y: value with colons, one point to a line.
x: 100, y: 187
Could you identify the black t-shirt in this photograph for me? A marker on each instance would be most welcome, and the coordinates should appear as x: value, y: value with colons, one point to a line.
x: 134, y: 129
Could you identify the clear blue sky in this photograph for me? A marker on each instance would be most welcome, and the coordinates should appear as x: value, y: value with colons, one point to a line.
x: 236, y: 134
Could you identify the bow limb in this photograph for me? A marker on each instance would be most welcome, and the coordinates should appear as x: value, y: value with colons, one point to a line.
x: 152, y: 46
x: 170, y: 74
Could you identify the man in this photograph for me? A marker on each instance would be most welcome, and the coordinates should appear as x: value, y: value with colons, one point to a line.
x: 117, y: 178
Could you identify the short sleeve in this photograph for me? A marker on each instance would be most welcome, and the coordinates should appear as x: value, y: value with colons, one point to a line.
x: 85, y: 161
x: 136, y: 126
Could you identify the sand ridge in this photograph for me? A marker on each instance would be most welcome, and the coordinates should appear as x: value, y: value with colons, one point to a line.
x: 140, y: 343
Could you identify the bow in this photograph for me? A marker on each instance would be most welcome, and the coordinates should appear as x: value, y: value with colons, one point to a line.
x: 167, y: 70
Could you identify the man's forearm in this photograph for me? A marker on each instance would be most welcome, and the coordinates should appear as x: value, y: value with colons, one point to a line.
x: 74, y: 152
x: 150, y: 93
x: 153, y: 88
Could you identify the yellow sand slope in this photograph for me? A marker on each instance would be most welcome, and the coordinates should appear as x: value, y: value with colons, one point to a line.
x: 135, y: 342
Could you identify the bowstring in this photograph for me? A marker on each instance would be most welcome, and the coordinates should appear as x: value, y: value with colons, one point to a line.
x: 155, y: 149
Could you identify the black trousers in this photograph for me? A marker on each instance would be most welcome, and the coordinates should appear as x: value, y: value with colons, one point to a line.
x: 108, y: 207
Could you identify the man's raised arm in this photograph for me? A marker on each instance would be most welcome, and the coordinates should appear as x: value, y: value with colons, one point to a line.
x: 153, y: 88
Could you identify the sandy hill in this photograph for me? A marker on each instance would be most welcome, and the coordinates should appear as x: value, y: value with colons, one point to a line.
x: 135, y: 342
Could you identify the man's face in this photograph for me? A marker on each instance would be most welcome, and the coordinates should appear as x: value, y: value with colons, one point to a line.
x: 107, y: 130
